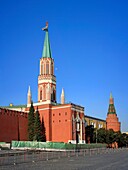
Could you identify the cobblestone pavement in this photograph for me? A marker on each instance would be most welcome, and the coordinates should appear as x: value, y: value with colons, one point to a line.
x: 113, y: 160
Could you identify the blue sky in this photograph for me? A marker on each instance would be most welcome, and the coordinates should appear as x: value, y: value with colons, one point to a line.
x: 89, y: 42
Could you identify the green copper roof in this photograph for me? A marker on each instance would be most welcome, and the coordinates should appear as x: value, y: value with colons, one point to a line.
x: 14, y: 106
x: 111, y: 109
x: 46, y: 49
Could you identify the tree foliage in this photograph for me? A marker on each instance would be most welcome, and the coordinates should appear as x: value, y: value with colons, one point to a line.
x: 31, y: 122
x: 43, y: 131
x: 110, y: 137
x: 122, y: 139
x: 101, y: 135
x: 37, y: 127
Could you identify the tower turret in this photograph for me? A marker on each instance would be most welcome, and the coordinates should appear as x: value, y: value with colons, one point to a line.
x: 46, y: 78
x: 29, y: 96
x: 62, y: 97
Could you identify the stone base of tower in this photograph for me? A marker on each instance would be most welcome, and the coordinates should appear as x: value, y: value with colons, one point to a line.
x: 112, y: 122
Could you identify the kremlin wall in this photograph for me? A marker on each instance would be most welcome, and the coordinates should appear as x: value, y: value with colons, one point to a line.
x: 13, y: 125
x: 64, y: 122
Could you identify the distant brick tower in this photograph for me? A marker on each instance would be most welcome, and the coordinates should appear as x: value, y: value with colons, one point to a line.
x: 112, y: 119
x: 46, y: 78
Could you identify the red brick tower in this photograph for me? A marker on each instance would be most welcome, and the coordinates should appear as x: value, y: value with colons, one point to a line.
x: 64, y: 122
x: 112, y: 119
x: 46, y: 78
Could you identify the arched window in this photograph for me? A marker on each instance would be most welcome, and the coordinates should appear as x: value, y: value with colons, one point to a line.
x: 41, y: 68
x: 47, y: 68
x: 40, y: 94
x: 52, y: 71
x: 54, y: 95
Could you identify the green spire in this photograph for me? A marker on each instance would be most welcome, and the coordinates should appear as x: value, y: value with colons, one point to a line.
x: 111, y: 109
x: 46, y: 49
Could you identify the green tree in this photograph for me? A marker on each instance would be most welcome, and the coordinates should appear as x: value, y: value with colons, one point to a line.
x: 126, y: 139
x: 31, y: 122
x: 43, y: 131
x: 37, y: 127
x: 110, y: 137
x: 122, y: 139
x: 101, y: 135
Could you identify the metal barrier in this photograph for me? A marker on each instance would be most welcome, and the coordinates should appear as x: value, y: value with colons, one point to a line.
x: 18, y: 157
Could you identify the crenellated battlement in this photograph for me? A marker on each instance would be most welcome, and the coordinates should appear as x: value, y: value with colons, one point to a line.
x: 8, y: 112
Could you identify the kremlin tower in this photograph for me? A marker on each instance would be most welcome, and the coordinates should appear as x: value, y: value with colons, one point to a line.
x: 112, y: 121
x: 64, y: 122
x: 46, y: 78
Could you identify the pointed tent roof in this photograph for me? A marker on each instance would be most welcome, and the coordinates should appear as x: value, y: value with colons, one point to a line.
x: 62, y: 93
x: 111, y: 108
x: 46, y: 48
x: 29, y: 91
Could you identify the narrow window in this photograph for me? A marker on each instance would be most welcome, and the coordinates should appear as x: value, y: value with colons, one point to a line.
x: 54, y: 95
x: 41, y: 95
x: 47, y: 68
x: 52, y: 69
x: 41, y: 68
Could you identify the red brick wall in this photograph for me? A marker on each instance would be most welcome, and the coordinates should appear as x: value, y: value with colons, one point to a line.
x: 61, y: 123
x: 45, y: 112
x: 13, y: 125
x: 112, y: 122
x: 58, y: 122
x: 23, y: 126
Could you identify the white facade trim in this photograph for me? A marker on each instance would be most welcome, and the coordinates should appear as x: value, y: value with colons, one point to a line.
x: 47, y: 102
x: 61, y: 107
x: 40, y: 103
x: 46, y: 81
x: 78, y: 110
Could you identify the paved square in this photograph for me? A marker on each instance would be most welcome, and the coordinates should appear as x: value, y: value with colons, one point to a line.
x: 114, y: 160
